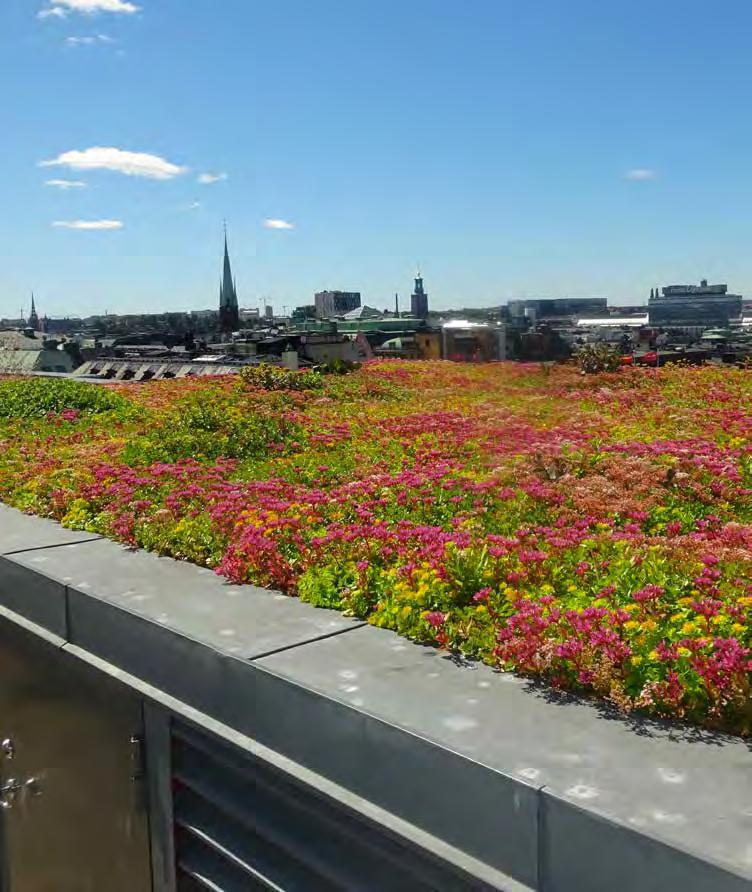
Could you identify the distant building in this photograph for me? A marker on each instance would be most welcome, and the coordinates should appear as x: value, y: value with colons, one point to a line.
x: 336, y: 303
x: 61, y: 326
x: 33, y: 318
x: 617, y: 321
x: 301, y: 314
x: 268, y: 311
x: 418, y: 345
x: 419, y: 300
x: 362, y: 312
x: 466, y: 341
x: 161, y: 368
x: 527, y: 313
x: 694, y: 306
x: 22, y: 352
x: 229, y: 314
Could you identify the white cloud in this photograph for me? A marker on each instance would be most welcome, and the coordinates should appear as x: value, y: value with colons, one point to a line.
x: 89, y: 224
x: 278, y: 224
x: 194, y: 205
x: 207, y: 179
x: 639, y: 174
x: 91, y: 6
x: 132, y: 164
x: 66, y: 184
x: 56, y: 12
x: 88, y: 41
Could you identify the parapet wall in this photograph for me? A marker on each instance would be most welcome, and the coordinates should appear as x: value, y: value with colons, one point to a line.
x: 487, y: 781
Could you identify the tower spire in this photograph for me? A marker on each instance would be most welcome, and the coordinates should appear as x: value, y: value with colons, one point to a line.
x: 419, y: 299
x: 33, y: 318
x: 229, y: 316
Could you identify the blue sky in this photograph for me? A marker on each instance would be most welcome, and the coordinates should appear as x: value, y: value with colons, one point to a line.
x: 495, y: 143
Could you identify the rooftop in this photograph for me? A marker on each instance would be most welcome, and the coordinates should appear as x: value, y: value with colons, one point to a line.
x: 538, y: 791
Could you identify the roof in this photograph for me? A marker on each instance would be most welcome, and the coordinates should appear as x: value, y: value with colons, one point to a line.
x: 464, y: 323
x: 24, y: 361
x: 616, y: 321
x: 363, y: 313
x: 17, y: 340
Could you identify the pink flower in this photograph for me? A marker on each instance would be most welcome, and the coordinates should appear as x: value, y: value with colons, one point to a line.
x: 436, y: 619
x: 648, y: 593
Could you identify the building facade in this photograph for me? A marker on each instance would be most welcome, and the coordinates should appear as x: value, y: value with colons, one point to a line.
x: 335, y: 303
x: 526, y: 313
x: 419, y: 300
x: 466, y: 341
x: 694, y: 306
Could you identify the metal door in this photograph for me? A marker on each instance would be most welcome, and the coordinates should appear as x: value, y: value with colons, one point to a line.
x: 73, y: 815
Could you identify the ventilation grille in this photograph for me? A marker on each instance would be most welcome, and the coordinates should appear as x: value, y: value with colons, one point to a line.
x: 241, y: 825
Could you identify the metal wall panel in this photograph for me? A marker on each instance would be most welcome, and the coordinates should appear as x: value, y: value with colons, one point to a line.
x: 82, y: 826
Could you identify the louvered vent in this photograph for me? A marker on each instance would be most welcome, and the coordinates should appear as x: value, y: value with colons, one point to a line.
x: 241, y: 825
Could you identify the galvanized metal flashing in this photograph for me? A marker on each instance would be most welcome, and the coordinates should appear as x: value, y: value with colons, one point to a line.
x: 520, y: 792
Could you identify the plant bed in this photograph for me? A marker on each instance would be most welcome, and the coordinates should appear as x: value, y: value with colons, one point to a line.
x: 594, y: 531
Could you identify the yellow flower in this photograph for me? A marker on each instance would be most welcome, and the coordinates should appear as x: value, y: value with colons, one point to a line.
x: 636, y: 660
x: 738, y: 628
x: 653, y: 654
x: 718, y: 620
x: 684, y: 652
x: 688, y: 628
x: 632, y: 624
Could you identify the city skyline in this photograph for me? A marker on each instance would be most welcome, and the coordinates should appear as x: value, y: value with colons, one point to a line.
x: 510, y: 152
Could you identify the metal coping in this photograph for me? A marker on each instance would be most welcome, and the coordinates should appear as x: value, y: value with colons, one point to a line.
x: 513, y: 824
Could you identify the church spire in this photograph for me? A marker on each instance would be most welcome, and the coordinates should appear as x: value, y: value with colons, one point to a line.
x: 229, y: 317
x: 33, y: 318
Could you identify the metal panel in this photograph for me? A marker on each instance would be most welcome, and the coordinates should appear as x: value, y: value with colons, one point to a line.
x: 241, y: 620
x: 583, y: 852
x: 157, y: 724
x: 78, y: 734
x: 242, y: 825
x: 675, y: 785
x: 33, y: 594
x: 21, y: 532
